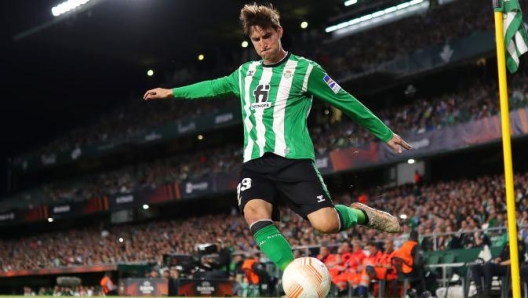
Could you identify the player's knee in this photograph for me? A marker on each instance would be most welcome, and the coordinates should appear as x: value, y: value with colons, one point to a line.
x: 256, y: 210
x: 327, y: 227
x: 250, y: 217
x: 325, y: 220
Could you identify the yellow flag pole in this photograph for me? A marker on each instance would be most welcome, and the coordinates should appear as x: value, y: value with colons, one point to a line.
x: 506, y: 147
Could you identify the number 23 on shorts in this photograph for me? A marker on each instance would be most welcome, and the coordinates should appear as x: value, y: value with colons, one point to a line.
x: 243, y: 185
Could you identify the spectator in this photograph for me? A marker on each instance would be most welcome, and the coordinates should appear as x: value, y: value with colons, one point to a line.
x: 351, y: 267
x: 412, y: 262
x: 482, y: 274
x: 361, y: 280
x: 165, y: 274
x: 108, y: 286
x: 417, y: 177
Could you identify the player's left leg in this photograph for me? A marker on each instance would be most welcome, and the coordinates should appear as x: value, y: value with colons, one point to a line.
x: 310, y: 198
x: 341, y: 218
x: 336, y: 218
x: 377, y: 219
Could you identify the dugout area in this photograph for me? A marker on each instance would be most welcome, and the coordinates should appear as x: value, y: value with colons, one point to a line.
x: 11, y: 284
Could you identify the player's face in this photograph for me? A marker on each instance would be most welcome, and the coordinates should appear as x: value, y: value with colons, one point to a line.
x: 267, y: 43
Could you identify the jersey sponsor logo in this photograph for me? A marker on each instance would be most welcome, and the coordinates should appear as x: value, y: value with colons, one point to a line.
x: 261, y: 94
x: 250, y: 73
x: 320, y: 199
x: 263, y: 105
x: 331, y: 83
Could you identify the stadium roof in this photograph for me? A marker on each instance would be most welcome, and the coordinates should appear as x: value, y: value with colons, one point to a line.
x: 100, y: 55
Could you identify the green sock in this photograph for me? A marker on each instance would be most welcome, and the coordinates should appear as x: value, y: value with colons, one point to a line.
x: 350, y: 217
x: 274, y: 246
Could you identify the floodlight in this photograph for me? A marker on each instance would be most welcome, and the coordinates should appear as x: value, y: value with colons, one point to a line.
x: 377, y: 17
x: 67, y: 6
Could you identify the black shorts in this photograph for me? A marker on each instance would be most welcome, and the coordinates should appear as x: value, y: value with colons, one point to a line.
x: 273, y: 178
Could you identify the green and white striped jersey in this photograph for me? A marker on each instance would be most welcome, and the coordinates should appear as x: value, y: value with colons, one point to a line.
x: 276, y: 100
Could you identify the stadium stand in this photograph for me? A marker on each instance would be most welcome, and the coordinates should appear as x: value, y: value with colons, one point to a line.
x: 457, y: 212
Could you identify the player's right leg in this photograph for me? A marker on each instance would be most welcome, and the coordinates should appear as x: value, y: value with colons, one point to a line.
x: 256, y: 196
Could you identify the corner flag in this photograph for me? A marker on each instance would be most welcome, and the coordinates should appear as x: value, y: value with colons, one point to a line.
x: 511, y: 42
x: 515, y: 36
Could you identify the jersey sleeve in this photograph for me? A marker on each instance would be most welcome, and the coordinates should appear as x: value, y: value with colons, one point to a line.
x: 322, y: 86
x: 227, y: 85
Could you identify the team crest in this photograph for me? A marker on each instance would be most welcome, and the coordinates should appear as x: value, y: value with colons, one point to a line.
x: 287, y: 74
x: 331, y: 83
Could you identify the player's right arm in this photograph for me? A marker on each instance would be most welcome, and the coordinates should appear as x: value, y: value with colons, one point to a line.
x: 205, y: 89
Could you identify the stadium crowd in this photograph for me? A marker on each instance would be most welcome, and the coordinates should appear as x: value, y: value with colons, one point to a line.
x: 360, y: 52
x: 421, y: 114
x: 475, y: 100
x: 460, y: 207
x: 342, y: 58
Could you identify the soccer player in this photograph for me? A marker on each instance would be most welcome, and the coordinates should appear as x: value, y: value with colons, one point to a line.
x: 276, y: 95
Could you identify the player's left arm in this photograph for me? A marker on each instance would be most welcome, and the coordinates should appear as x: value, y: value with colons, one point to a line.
x: 322, y: 86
